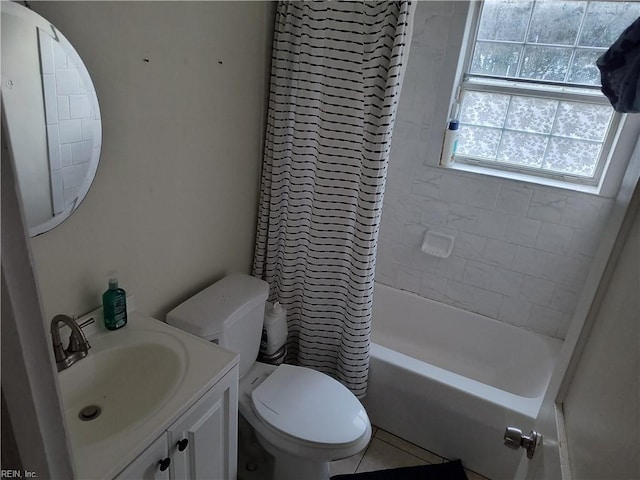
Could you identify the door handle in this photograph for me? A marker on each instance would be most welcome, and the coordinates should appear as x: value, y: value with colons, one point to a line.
x: 164, y: 464
x: 182, y: 444
x: 513, y: 438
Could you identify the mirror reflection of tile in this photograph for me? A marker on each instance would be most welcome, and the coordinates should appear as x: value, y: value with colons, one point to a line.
x: 70, y: 121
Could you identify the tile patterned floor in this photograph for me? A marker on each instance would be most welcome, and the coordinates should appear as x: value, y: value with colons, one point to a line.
x: 389, y: 451
x: 384, y: 451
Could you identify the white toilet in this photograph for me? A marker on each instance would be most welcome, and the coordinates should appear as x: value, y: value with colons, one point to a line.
x: 302, y: 417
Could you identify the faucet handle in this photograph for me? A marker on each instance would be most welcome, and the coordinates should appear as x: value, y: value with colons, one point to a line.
x: 78, y: 341
x: 78, y: 344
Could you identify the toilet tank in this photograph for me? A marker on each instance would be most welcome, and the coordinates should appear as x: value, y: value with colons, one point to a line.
x: 230, y: 313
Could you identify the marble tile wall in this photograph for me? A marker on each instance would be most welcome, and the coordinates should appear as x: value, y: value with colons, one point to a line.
x: 521, y: 250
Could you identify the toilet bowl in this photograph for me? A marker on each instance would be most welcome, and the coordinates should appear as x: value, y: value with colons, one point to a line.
x: 303, y: 418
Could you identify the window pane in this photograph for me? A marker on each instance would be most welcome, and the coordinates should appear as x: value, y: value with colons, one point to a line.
x: 500, y: 59
x: 486, y: 109
x: 545, y: 63
x: 556, y: 23
x: 522, y: 121
x: 551, y: 28
x: 605, y: 21
x: 581, y: 120
x: 531, y: 114
x: 575, y: 157
x: 504, y: 20
x: 478, y: 142
x: 522, y: 148
x: 583, y: 68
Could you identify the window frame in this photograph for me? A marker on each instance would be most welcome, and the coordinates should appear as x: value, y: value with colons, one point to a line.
x: 465, y: 81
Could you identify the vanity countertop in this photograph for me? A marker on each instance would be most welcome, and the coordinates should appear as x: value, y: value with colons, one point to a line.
x: 149, y: 374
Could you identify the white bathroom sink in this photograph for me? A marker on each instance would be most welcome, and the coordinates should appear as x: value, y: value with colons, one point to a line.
x: 142, y: 377
x: 123, y: 381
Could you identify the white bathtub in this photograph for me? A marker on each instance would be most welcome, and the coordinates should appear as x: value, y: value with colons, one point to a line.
x: 451, y: 381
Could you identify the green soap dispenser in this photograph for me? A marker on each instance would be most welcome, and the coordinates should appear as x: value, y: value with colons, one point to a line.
x: 114, y: 303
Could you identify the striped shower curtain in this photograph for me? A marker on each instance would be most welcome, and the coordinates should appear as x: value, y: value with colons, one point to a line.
x: 335, y: 85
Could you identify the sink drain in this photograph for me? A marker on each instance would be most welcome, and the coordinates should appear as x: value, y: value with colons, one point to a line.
x: 90, y: 412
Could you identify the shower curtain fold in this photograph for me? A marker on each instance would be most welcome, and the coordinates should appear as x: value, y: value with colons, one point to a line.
x: 335, y: 84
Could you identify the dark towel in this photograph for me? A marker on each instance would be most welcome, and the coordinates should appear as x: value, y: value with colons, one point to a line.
x: 439, y: 471
x: 620, y: 71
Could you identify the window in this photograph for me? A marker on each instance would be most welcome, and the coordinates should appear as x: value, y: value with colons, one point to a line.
x: 530, y: 98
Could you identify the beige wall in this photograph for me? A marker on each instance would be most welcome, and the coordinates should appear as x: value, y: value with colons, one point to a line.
x: 182, y: 89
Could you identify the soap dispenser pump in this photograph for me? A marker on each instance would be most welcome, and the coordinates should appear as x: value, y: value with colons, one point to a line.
x: 114, y: 303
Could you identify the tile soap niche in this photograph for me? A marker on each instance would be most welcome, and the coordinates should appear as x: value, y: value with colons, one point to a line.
x: 437, y: 244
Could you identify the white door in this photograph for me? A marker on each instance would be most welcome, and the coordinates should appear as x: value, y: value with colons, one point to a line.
x: 587, y: 417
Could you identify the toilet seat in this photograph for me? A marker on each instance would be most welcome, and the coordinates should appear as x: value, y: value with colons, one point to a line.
x: 310, y: 406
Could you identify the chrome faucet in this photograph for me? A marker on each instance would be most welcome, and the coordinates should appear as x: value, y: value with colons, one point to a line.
x: 78, y: 345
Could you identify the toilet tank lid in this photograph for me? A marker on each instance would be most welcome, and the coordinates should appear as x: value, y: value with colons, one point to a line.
x: 217, y: 307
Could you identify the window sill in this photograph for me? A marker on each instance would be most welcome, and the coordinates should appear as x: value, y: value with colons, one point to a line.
x: 520, y: 177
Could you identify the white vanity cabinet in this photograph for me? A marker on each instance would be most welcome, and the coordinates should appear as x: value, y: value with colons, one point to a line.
x: 147, y: 465
x: 201, y: 444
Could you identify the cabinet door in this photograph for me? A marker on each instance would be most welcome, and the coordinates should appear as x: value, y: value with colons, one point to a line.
x: 147, y: 466
x: 210, y: 429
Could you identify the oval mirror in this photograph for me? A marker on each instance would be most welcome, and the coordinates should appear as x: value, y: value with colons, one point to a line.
x: 51, y: 117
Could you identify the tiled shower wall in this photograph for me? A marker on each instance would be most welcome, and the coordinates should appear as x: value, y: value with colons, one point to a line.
x: 521, y: 251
